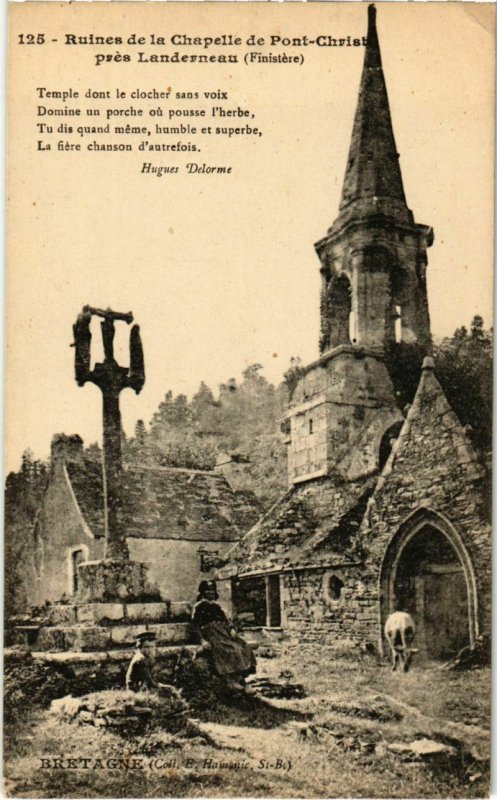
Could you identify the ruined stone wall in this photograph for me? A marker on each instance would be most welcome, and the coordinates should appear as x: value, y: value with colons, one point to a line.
x: 59, y: 529
x: 432, y: 474
x: 375, y: 291
x: 316, y: 616
x: 174, y: 565
x: 336, y: 402
x: 432, y: 478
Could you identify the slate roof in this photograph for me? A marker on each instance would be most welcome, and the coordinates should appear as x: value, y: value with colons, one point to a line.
x: 313, y: 523
x: 326, y: 521
x: 166, y: 503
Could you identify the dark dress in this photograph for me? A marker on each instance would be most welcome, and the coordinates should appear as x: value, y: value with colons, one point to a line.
x: 230, y: 654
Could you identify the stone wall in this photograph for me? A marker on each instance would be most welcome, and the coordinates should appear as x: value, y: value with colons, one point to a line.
x: 340, y: 409
x: 368, y: 255
x: 174, y: 565
x: 432, y: 476
x: 314, y: 612
x: 59, y: 530
x: 431, y: 486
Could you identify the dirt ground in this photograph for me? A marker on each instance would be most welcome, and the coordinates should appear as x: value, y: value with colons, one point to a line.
x: 359, y: 731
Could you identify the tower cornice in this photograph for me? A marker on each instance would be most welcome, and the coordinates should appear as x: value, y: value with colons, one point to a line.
x: 379, y: 222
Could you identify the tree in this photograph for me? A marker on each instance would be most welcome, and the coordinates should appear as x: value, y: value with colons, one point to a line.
x: 140, y: 432
x: 24, y: 492
x: 293, y: 374
x: 463, y: 365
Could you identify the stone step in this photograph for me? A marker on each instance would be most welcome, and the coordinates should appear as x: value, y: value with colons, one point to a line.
x: 115, y: 613
x: 97, y: 638
x: 116, y: 656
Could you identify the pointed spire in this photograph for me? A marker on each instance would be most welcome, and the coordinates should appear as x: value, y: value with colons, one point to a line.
x: 373, y: 169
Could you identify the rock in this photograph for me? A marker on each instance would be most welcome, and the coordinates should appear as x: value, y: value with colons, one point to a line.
x: 127, y: 710
x: 266, y: 651
x: 427, y: 748
x: 423, y: 748
x: 66, y: 706
x: 399, y: 747
x: 179, y: 741
x: 277, y: 689
x: 300, y: 728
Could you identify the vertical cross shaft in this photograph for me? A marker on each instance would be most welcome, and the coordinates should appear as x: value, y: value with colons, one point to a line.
x: 116, y: 547
x: 111, y: 380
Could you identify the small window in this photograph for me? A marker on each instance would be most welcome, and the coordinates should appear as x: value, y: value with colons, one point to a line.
x: 398, y: 324
x: 335, y: 586
x: 386, y: 444
x: 310, y: 426
x: 352, y: 327
x: 77, y: 558
x: 273, y: 595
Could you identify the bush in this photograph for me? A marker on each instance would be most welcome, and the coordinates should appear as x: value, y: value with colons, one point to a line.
x: 200, y: 687
x: 29, y: 684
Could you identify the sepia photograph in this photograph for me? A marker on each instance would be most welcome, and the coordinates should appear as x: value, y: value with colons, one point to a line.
x: 248, y: 438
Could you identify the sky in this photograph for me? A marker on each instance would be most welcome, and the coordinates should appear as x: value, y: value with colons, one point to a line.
x: 220, y: 270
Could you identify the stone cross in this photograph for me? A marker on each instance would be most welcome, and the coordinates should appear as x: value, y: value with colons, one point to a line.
x: 111, y: 379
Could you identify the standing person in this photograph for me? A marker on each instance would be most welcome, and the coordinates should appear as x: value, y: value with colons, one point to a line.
x: 140, y: 671
x: 231, y: 656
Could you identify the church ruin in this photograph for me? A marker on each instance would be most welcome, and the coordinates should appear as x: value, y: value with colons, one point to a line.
x: 386, y: 510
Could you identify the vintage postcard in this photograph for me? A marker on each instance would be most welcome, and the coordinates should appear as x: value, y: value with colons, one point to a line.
x: 249, y: 392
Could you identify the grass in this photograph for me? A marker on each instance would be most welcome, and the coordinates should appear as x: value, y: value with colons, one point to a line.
x: 333, y: 743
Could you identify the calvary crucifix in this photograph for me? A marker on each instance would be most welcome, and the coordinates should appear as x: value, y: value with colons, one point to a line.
x: 111, y: 379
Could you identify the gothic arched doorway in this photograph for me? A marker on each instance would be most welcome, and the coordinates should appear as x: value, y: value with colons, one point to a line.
x: 427, y: 572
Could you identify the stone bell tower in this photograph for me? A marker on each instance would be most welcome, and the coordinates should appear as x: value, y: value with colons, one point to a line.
x: 373, y: 293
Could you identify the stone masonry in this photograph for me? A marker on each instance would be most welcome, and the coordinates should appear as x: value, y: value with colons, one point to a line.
x: 383, y: 513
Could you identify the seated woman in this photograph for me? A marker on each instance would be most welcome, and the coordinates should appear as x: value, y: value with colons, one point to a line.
x: 231, y: 656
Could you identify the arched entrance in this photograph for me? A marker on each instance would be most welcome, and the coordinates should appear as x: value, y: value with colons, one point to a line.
x: 428, y: 573
x: 340, y: 311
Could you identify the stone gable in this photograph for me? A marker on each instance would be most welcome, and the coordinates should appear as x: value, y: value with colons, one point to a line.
x: 433, y: 474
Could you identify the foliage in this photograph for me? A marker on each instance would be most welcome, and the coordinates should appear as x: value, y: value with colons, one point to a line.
x: 404, y: 367
x: 29, y: 684
x: 464, y: 368
x: 293, y: 374
x: 243, y: 419
x: 23, y: 495
x: 199, y: 685
x: 463, y: 365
